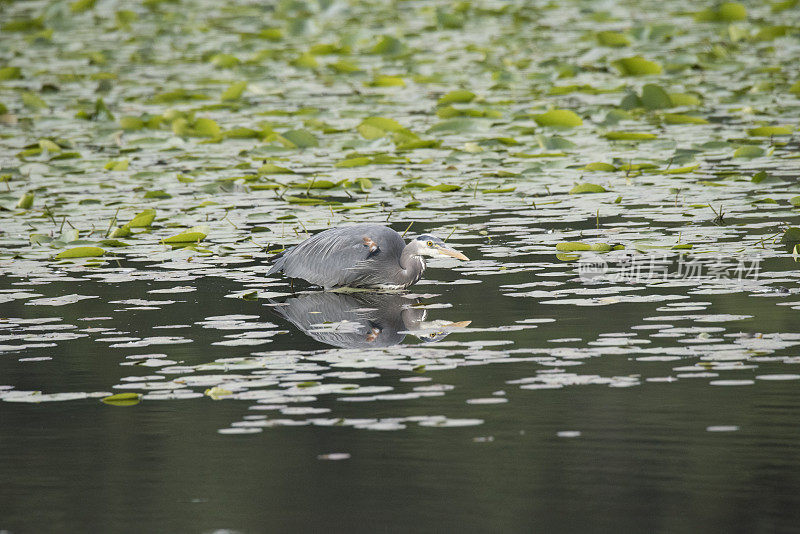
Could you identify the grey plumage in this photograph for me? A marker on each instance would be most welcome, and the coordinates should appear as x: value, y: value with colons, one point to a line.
x: 361, y: 255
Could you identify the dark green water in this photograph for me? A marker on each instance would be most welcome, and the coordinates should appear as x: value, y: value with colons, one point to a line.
x: 644, y: 459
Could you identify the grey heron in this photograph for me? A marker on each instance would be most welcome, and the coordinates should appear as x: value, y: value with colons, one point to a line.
x: 362, y: 255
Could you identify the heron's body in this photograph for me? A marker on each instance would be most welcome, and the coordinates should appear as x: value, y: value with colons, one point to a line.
x: 361, y: 255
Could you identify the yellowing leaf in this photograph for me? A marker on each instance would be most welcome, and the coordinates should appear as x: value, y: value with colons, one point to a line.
x: 118, y: 165
x: 675, y: 118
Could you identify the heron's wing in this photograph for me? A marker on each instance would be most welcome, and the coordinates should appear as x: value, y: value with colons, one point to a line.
x: 341, y: 256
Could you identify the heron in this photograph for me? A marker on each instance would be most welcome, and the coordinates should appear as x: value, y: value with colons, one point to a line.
x: 362, y: 256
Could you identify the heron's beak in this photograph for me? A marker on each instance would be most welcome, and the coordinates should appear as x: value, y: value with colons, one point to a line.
x: 453, y: 253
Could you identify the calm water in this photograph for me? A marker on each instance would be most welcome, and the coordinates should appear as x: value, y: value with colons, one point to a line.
x: 632, y: 433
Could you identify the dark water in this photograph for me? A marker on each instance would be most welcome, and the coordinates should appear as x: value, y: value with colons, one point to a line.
x: 645, y: 458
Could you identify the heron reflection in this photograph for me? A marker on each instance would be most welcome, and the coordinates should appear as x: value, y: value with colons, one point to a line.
x: 362, y: 320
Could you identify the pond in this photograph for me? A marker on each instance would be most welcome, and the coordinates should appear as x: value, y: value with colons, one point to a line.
x: 619, y: 353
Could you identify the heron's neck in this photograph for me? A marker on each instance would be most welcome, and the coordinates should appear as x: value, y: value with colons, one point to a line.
x: 411, y: 266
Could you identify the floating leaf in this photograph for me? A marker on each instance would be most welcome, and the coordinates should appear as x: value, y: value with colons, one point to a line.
x: 599, y: 166
x: 675, y: 118
x: 185, y: 237
x: 345, y: 67
x: 615, y: 39
x: 386, y: 81
x: 636, y: 66
x: 629, y: 136
x: 270, y: 168
x: 584, y: 188
x: 376, y: 127
x: 388, y: 45
x: 301, y: 138
x: 726, y: 12
x: 205, y: 127
x: 81, y: 5
x: 80, y: 252
x: 443, y: 188
x: 558, y: 118
x: 748, y: 151
x: 10, y: 73
x: 769, y: 131
x: 234, y: 91
x: 33, y: 101
x: 113, y: 243
x: 576, y: 246
x: 122, y: 399
x: 143, y: 219
x: 459, y: 96
x: 655, y: 97
x: 131, y: 123
x: 354, y: 162
x: 118, y: 165
x: 684, y: 99
x: 26, y: 201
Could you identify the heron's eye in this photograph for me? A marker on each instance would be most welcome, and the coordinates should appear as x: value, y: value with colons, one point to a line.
x: 431, y: 336
x: 429, y: 244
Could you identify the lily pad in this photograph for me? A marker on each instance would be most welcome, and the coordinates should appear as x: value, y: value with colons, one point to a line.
x: 558, y: 118
x: 584, y: 188
x: 80, y: 252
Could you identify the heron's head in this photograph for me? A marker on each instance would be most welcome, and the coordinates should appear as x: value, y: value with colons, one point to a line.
x: 433, y: 247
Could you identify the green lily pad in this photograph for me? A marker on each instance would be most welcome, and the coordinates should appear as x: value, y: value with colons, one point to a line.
x: 301, y: 138
x: 558, y: 118
x: 630, y: 136
x: 769, y: 131
x: 233, y: 92
x: 459, y: 96
x: 143, y: 219
x: 636, y: 66
x: 80, y: 252
x: 599, y: 166
x: 613, y: 39
x: 584, y: 188
x: 122, y: 399
x: 749, y: 151
x: 185, y: 237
